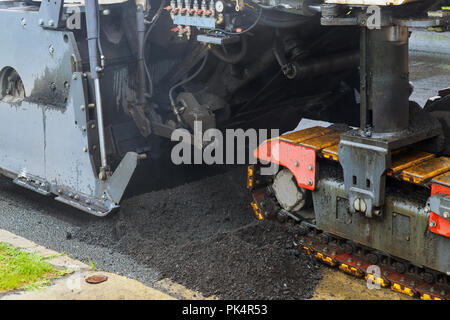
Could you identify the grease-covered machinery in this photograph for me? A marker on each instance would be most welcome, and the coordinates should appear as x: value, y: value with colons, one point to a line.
x: 372, y: 199
x: 88, y: 90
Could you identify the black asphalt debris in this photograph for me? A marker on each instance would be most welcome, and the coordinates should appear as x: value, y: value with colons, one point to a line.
x: 202, y: 234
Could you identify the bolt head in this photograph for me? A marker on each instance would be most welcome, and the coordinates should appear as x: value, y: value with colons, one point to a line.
x: 446, y: 215
x: 433, y: 224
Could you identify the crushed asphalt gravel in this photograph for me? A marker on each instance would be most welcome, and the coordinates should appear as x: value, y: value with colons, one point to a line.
x: 202, y: 234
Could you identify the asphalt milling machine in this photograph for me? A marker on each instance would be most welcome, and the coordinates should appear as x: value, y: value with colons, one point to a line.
x: 89, y: 90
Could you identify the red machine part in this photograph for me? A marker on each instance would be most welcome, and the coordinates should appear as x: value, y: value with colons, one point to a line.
x: 436, y: 223
x: 300, y: 160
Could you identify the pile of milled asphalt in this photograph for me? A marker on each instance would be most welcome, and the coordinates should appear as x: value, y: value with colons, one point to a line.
x: 204, y: 235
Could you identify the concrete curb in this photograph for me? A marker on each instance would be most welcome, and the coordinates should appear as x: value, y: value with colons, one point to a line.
x: 74, y: 286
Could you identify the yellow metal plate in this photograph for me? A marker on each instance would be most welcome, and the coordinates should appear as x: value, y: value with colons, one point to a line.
x: 322, y: 142
x: 306, y: 134
x: 331, y: 153
x: 443, y: 179
x: 407, y: 159
x: 426, y: 170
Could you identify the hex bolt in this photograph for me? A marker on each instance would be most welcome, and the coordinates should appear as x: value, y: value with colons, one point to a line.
x: 446, y: 215
x: 310, y: 182
x: 51, y: 23
x: 85, y: 149
x: 41, y: 22
x: 311, y: 167
x: 427, y: 209
x: 433, y: 224
x: 51, y: 50
x: 74, y: 76
x: 77, y: 197
x: 84, y: 128
x: 296, y: 163
x: 82, y: 108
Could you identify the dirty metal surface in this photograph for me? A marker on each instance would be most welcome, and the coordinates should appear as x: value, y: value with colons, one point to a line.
x: 44, y: 138
x: 424, y: 171
x: 406, y: 159
x: 402, y: 231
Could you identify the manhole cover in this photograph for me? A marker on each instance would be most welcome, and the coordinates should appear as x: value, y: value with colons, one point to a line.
x: 96, y: 279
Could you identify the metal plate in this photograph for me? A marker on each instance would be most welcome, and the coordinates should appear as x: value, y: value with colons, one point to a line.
x: 306, y: 134
x: 426, y: 170
x: 322, y: 142
x: 407, y: 159
x: 443, y: 180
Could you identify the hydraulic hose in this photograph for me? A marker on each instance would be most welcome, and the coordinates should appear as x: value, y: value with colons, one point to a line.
x: 232, y: 58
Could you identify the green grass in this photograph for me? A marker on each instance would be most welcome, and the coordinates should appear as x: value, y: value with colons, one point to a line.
x: 23, y: 270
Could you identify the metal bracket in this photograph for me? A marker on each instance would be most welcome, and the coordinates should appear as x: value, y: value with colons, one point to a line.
x: 50, y: 14
x: 440, y: 205
x: 109, y: 192
x: 365, y: 164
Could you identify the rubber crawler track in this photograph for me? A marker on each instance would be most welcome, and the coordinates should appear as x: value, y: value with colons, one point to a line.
x: 377, y: 268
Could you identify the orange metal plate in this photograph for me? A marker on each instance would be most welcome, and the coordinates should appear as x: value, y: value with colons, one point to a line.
x: 302, y: 135
x: 407, y: 159
x: 322, y: 142
x: 443, y: 180
x: 331, y: 152
x: 426, y: 170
